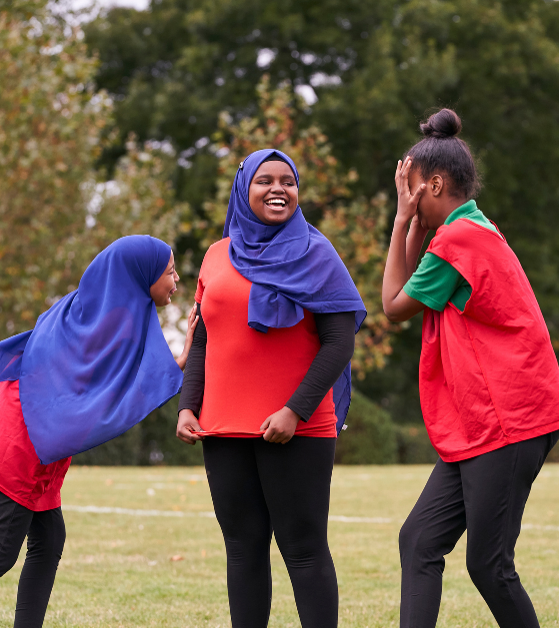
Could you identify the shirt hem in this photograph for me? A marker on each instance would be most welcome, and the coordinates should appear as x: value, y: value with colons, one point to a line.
x: 25, y: 503
x: 228, y: 434
x: 511, y: 440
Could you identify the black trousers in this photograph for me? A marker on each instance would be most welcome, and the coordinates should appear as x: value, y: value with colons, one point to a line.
x: 258, y: 487
x: 46, y: 534
x: 485, y: 495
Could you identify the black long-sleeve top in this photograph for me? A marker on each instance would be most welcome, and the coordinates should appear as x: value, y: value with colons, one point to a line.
x: 336, y: 333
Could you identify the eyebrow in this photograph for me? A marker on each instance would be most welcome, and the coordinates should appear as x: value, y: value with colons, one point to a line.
x: 282, y: 176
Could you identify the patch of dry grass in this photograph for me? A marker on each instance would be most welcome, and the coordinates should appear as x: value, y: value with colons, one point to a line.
x: 117, y: 570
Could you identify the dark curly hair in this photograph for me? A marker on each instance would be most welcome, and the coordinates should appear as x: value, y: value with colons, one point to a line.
x: 440, y: 150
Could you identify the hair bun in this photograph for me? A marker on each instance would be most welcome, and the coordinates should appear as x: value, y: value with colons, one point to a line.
x: 442, y: 124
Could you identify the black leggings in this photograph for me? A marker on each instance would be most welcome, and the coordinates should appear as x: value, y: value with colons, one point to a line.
x: 258, y: 487
x: 485, y: 495
x: 46, y: 534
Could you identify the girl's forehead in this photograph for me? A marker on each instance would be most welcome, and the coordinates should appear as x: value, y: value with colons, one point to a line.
x: 274, y: 168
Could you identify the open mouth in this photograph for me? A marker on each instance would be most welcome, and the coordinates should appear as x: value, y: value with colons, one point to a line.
x: 276, y: 203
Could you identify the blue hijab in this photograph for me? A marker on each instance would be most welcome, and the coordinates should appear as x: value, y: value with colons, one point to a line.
x: 97, y: 362
x: 292, y: 267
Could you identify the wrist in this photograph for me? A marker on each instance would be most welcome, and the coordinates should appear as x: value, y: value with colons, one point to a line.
x: 401, y: 223
x: 291, y: 413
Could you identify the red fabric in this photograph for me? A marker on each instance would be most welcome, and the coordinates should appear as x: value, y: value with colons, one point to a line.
x: 250, y: 375
x: 488, y: 376
x: 22, y: 477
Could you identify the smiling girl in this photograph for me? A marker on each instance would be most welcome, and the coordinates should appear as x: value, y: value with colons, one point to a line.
x: 268, y: 377
x: 488, y: 380
x: 95, y: 364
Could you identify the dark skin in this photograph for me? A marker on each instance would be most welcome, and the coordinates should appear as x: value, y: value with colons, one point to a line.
x: 273, y: 196
x: 161, y: 292
x: 422, y: 206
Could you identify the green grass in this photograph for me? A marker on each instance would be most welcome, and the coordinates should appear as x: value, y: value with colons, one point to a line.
x: 116, y: 569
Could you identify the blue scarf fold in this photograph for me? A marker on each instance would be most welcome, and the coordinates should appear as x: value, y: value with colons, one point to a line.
x: 292, y: 267
x: 96, y: 362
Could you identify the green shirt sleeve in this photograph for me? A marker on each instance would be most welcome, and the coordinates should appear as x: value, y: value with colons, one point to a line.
x: 434, y: 282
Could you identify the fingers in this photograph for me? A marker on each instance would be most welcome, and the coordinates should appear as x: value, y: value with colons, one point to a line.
x: 419, y: 192
x: 188, y: 430
x: 189, y: 437
x: 398, y: 169
x: 266, y: 424
x: 401, y: 176
x: 404, y: 174
x: 193, y: 315
x: 273, y: 436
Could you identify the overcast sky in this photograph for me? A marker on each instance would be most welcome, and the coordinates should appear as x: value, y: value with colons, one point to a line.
x: 137, y: 4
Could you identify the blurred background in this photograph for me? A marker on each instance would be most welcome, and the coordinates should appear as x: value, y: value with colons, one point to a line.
x: 132, y: 116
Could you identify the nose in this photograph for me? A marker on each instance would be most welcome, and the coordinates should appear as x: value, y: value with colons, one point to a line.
x: 177, y: 278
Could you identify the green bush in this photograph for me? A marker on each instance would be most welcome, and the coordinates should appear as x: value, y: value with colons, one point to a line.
x: 151, y: 442
x: 414, y: 446
x: 370, y: 437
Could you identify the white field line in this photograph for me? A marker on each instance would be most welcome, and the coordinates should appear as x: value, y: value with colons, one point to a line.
x: 343, y: 519
x: 535, y: 526
x: 108, y: 510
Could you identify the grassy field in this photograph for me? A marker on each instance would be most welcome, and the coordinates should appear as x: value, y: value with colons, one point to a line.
x: 167, y: 569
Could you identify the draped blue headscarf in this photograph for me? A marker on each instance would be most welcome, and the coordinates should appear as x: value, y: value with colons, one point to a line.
x: 97, y: 362
x: 292, y: 267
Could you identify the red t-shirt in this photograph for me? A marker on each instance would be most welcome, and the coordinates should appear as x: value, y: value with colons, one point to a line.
x: 249, y: 374
x: 22, y: 476
x: 488, y: 375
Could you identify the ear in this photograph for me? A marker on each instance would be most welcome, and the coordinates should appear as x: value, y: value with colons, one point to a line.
x: 436, y: 185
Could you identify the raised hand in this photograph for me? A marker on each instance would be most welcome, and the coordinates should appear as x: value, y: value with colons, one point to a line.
x: 407, y: 202
x: 192, y: 322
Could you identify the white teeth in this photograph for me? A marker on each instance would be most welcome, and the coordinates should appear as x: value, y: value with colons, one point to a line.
x: 276, y: 201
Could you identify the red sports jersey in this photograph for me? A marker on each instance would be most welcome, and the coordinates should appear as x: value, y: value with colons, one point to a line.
x: 22, y: 477
x: 488, y: 375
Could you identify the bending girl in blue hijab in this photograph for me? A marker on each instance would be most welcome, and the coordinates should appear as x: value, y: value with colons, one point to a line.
x: 267, y: 380
x: 95, y: 365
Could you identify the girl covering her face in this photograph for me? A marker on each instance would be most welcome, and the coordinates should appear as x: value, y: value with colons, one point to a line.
x: 488, y: 379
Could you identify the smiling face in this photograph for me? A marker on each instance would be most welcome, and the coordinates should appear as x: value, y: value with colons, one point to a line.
x: 273, y: 193
x: 164, y: 288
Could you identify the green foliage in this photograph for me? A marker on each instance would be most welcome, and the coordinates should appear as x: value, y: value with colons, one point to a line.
x: 57, y: 211
x: 151, y: 442
x: 414, y: 446
x: 376, y: 67
x: 370, y: 437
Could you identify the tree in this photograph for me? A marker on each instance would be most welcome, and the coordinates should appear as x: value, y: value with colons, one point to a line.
x: 56, y: 210
x: 376, y: 67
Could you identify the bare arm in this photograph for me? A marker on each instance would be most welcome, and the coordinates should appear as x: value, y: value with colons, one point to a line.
x: 403, y: 251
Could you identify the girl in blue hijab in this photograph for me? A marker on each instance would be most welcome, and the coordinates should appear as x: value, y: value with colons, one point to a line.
x: 95, y: 364
x: 267, y: 387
